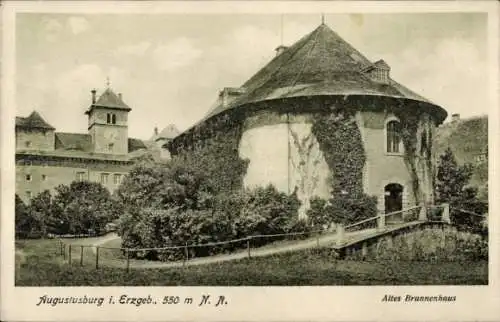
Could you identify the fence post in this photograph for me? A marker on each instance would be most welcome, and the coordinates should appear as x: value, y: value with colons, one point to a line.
x: 381, y: 221
x: 69, y: 254
x: 248, y: 246
x: 97, y: 257
x: 61, y: 250
x: 446, y: 213
x: 128, y: 260
x: 317, y: 239
x: 81, y: 255
x: 422, y: 216
x: 64, y: 251
x: 186, y: 254
x: 340, y: 234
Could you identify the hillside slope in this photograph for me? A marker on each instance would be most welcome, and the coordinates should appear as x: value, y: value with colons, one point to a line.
x: 468, y: 139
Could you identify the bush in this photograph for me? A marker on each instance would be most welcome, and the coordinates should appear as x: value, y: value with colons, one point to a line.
x: 211, y: 219
x: 343, y: 209
x: 80, y: 208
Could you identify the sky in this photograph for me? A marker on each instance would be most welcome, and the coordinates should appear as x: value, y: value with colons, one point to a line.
x: 170, y: 67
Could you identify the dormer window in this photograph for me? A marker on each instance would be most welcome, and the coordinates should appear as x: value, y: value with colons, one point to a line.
x: 380, y: 75
x: 378, y: 71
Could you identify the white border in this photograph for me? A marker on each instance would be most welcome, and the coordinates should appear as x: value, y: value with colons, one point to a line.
x: 250, y: 303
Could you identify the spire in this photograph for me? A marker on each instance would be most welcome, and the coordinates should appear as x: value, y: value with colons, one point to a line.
x: 322, y: 18
x: 107, y: 82
x: 281, y: 31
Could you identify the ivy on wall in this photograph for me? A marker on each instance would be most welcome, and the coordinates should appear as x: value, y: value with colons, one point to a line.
x: 340, y: 140
x: 417, y: 140
x: 213, y: 151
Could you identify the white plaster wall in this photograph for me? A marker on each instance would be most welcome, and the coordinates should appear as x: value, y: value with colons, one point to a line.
x: 287, y: 156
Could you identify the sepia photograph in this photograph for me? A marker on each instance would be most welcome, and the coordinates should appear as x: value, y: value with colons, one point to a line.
x: 219, y: 149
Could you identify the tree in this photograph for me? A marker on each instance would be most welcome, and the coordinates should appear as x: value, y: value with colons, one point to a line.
x: 452, y: 187
x: 22, y: 220
x: 82, y: 207
x: 451, y: 178
x: 40, y: 211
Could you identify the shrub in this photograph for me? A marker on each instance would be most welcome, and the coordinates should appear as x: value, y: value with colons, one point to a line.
x: 344, y: 209
x: 81, y: 208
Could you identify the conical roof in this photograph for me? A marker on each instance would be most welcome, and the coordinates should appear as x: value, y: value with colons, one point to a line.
x: 33, y: 121
x: 319, y: 64
x: 110, y: 100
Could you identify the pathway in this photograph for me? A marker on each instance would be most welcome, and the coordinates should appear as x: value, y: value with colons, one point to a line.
x: 327, y: 240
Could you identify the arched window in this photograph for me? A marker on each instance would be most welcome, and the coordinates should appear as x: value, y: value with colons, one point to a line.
x: 393, y: 136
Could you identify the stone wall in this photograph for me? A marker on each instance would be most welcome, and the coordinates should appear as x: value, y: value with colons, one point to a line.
x: 426, y: 242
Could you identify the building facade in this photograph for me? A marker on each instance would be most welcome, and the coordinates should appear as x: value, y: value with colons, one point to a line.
x: 46, y: 158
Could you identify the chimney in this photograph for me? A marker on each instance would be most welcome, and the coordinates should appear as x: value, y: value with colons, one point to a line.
x: 120, y: 96
x: 455, y: 118
x: 93, y: 96
x: 280, y: 49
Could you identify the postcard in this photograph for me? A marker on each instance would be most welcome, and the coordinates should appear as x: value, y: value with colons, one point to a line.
x: 228, y: 161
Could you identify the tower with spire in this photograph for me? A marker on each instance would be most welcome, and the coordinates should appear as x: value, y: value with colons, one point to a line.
x: 108, y: 122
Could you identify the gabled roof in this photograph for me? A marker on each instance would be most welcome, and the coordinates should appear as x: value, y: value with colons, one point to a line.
x: 33, y: 121
x: 73, y: 141
x: 169, y: 132
x: 110, y: 100
x: 319, y: 64
x: 83, y: 142
x: 135, y: 144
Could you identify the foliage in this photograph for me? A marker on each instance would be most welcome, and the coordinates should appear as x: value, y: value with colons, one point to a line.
x: 452, y: 187
x: 23, y: 222
x: 31, y: 220
x: 344, y: 209
x: 213, y: 151
x: 340, y: 140
x: 81, y: 208
x: 196, y: 216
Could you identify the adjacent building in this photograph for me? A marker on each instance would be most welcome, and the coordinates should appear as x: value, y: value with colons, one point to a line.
x: 46, y: 158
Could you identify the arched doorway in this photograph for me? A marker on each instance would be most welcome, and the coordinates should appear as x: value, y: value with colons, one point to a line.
x: 393, y: 197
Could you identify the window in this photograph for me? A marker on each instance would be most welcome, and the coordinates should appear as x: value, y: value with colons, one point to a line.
x: 117, y: 178
x: 110, y: 118
x: 44, y: 177
x: 110, y: 147
x: 104, y: 178
x: 28, y: 144
x: 28, y: 194
x: 393, y: 137
x: 28, y: 177
x: 80, y: 176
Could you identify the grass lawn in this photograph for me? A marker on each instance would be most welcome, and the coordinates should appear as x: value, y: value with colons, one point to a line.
x: 39, y: 265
